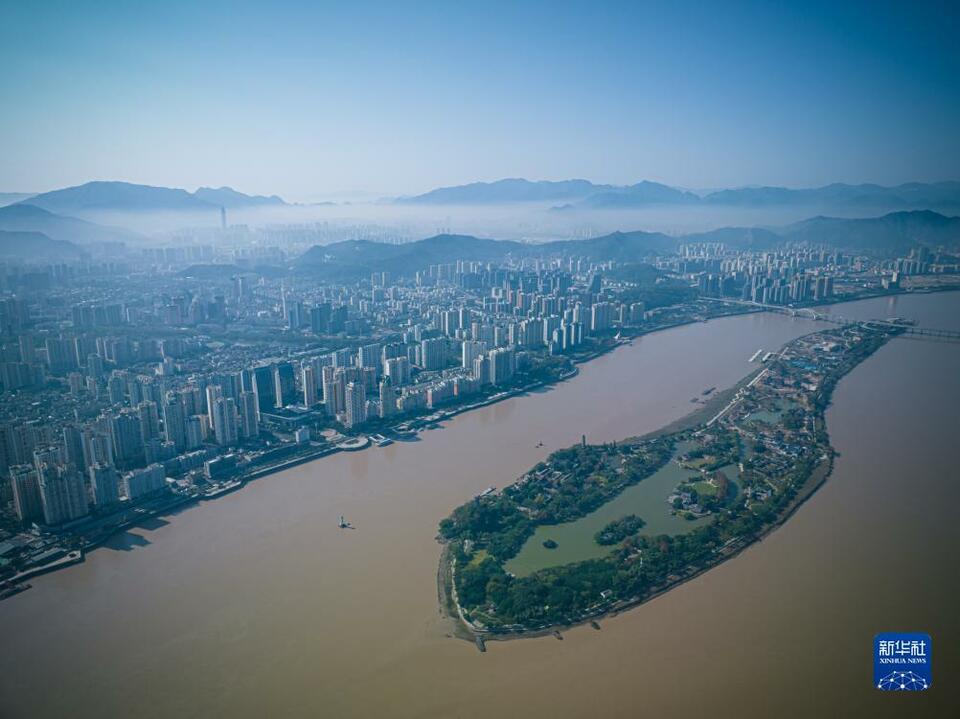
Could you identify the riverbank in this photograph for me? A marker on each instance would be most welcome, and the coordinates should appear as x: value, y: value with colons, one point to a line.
x: 183, y: 501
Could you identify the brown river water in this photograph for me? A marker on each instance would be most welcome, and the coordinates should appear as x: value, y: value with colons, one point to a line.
x: 256, y: 604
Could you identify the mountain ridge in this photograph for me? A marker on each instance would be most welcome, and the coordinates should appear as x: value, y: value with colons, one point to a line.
x: 891, y: 232
x: 110, y: 195
x: 30, y: 245
x: 25, y: 217
x: 584, y: 194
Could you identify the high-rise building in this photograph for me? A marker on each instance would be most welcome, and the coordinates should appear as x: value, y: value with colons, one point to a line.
x: 369, y: 356
x: 60, y: 355
x: 195, y: 425
x: 311, y: 385
x: 503, y: 365
x: 356, y: 404
x: 28, y: 351
x: 471, y: 350
x: 343, y: 358
x: 105, y: 483
x: 388, y: 398
x: 293, y: 313
x: 481, y: 369
x: 73, y: 447
x: 433, y: 353
x: 334, y: 391
x: 212, y: 392
x: 175, y: 422
x: 126, y: 437
x: 285, y: 392
x: 96, y: 448
x: 249, y: 417
x: 116, y: 387
x: 149, y: 420
x: 265, y: 387
x: 62, y: 493
x: 26, y: 492
x: 601, y: 317
x: 320, y: 318
x: 225, y: 429
x: 398, y: 370
x: 142, y: 482
x: 596, y: 282
x: 450, y: 321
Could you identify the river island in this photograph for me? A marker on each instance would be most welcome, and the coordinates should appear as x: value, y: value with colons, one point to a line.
x: 714, y: 483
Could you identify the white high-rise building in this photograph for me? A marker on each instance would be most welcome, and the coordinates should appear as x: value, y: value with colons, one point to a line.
x: 388, y: 398
x: 398, y: 370
x: 175, y: 422
x: 105, y: 484
x: 356, y: 404
x: 213, y: 391
x: 311, y: 385
x: 471, y: 350
x: 601, y: 317
x: 481, y: 369
x: 144, y: 481
x: 225, y: 429
x: 62, y: 493
x: 369, y: 356
x: 503, y: 365
x: 334, y: 391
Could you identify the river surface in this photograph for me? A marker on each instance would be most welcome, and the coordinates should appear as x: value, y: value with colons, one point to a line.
x: 257, y: 605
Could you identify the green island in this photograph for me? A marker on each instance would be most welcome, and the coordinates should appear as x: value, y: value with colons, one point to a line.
x: 618, y: 530
x: 721, y: 479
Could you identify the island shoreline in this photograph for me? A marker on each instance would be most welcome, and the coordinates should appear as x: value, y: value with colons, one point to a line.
x: 816, y: 479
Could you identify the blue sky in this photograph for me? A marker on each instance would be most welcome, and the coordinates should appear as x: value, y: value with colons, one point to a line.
x: 303, y: 99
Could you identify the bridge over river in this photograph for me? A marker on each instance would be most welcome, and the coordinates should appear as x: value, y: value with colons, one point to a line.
x: 907, y: 327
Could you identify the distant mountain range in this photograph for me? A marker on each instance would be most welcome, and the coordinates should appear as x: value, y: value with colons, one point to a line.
x: 36, y: 246
x: 358, y: 257
x: 57, y: 216
x: 28, y: 218
x: 510, y: 190
x: 229, y: 198
x: 894, y: 232
x: 128, y: 197
x: 562, y: 196
x: 583, y: 194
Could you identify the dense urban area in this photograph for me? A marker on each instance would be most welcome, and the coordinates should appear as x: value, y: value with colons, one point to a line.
x: 138, y: 380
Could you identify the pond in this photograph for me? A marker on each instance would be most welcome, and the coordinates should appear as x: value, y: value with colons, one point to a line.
x: 647, y: 499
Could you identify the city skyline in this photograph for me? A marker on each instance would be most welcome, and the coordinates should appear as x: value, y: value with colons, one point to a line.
x: 308, y: 102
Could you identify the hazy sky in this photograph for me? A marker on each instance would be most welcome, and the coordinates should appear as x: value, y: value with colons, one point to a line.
x: 304, y: 99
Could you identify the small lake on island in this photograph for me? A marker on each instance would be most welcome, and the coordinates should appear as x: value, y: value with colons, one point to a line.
x: 647, y: 499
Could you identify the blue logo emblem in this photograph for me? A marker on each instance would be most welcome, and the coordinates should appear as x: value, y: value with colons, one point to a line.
x: 901, y: 661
